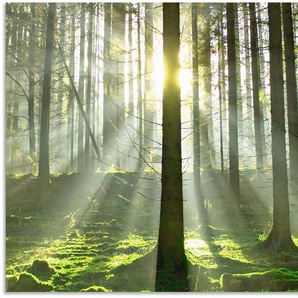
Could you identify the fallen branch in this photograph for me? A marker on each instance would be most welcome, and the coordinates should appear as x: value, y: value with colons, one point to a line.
x: 81, y: 106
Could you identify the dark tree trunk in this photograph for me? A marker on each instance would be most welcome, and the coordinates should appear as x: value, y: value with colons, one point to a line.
x: 223, y: 108
x: 140, y: 96
x: 171, y: 272
x: 262, y: 82
x: 108, y: 128
x: 81, y: 91
x: 88, y: 89
x: 71, y: 114
x: 44, y: 167
x: 31, y: 98
x: 256, y: 87
x: 291, y: 85
x: 196, y: 108
x: 221, y: 83
x: 148, y: 92
x: 118, y: 58
x: 280, y: 236
x: 239, y: 97
x: 233, y: 119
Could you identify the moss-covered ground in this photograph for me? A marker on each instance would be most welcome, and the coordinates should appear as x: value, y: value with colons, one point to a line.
x: 99, y: 234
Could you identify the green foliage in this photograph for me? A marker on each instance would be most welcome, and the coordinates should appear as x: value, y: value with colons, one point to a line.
x: 272, y: 280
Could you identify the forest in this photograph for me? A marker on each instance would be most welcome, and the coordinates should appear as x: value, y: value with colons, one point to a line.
x: 151, y: 147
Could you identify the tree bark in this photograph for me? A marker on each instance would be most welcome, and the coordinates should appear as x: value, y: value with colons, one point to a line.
x: 233, y: 119
x: 108, y: 128
x: 149, y: 91
x: 44, y: 167
x: 291, y: 85
x: 140, y: 96
x: 87, y: 166
x: 171, y: 272
x: 196, y: 108
x: 71, y: 114
x: 80, y: 157
x: 31, y: 97
x: 280, y: 236
x: 256, y: 87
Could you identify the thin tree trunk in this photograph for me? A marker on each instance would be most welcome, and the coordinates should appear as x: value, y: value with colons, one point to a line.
x: 88, y: 89
x: 148, y: 92
x: 44, y: 167
x: 221, y: 82
x: 196, y: 108
x: 118, y: 56
x: 80, y: 157
x: 239, y: 97
x: 233, y: 119
x: 140, y: 95
x: 248, y: 133
x: 256, y: 87
x: 262, y: 84
x: 31, y: 97
x: 71, y: 114
x: 291, y: 91
x: 81, y: 109
x: 108, y: 129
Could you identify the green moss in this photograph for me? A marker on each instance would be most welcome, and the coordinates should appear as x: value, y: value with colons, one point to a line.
x: 272, y: 280
x: 95, y: 289
x: 11, y: 282
x: 29, y: 283
x: 41, y: 269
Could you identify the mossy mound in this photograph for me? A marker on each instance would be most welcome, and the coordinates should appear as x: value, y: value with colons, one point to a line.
x: 276, y: 280
x: 95, y: 289
x: 11, y: 282
x: 41, y: 269
x: 29, y: 283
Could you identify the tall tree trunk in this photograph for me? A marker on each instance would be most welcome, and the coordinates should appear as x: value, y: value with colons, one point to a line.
x: 171, y: 272
x: 247, y: 100
x: 262, y: 68
x: 207, y: 152
x: 88, y: 89
x: 224, y: 105
x: 248, y: 81
x: 140, y: 95
x: 60, y: 131
x: 280, y: 236
x: 221, y: 88
x: 208, y: 87
x: 71, y: 114
x: 31, y: 98
x: 44, y: 167
x: 238, y: 85
x: 108, y: 128
x: 291, y: 85
x: 148, y: 92
x: 81, y: 91
x: 118, y: 56
x: 256, y: 87
x: 196, y: 108
x: 233, y: 119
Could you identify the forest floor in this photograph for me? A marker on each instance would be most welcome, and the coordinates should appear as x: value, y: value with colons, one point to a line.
x: 99, y: 233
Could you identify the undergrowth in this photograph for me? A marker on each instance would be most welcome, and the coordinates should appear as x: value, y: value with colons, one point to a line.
x: 91, y: 245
